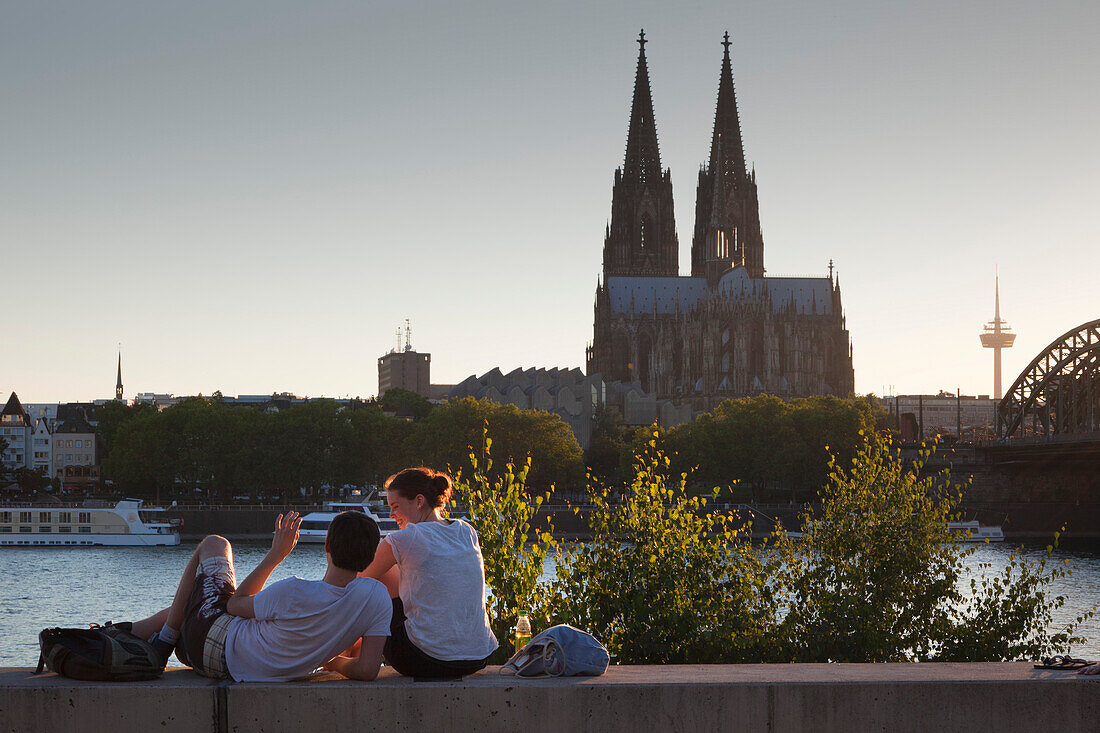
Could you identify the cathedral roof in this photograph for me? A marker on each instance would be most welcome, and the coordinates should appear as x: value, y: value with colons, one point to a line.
x: 683, y: 294
x: 671, y: 294
x: 807, y: 294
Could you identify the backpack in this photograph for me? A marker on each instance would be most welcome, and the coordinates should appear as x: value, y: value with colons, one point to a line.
x: 107, y: 653
x: 559, y: 651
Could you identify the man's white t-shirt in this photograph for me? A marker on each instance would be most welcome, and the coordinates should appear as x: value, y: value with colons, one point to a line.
x: 301, y: 624
x: 443, y: 589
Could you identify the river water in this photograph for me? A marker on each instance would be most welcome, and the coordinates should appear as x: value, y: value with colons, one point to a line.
x: 71, y: 587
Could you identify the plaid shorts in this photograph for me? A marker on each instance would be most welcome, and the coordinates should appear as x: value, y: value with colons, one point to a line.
x: 206, y: 621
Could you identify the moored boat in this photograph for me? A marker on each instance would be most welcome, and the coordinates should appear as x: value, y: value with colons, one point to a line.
x: 314, y: 527
x: 126, y: 523
x: 972, y: 531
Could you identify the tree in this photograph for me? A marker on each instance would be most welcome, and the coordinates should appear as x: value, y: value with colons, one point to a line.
x: 110, y: 416
x: 764, y: 442
x: 447, y: 435
x: 875, y: 575
x: 663, y: 581
x: 31, y: 481
x: 502, y: 509
x: 405, y: 401
x: 608, y: 445
x: 3, y: 466
x: 381, y: 446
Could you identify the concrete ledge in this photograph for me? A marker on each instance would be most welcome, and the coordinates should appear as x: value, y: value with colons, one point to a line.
x: 796, y: 697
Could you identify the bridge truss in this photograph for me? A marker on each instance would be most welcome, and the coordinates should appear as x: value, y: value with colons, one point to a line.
x: 1059, y: 392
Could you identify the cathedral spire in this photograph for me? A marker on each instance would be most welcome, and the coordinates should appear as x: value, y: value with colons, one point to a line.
x: 726, y: 169
x: 727, y: 123
x: 643, y: 158
x: 642, y: 237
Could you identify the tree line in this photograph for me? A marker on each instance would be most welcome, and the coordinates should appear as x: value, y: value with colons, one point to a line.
x: 764, y: 446
x: 227, y: 450
x: 761, y: 445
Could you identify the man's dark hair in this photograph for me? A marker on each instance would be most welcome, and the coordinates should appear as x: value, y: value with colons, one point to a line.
x: 352, y: 540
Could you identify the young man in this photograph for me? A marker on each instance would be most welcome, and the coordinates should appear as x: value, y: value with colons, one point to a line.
x: 284, y: 632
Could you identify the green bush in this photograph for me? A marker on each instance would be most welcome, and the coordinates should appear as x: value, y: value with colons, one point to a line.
x: 664, y: 581
x: 1008, y: 615
x: 501, y: 507
x: 876, y: 575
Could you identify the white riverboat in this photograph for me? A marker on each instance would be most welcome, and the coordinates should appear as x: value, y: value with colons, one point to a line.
x: 314, y: 527
x: 127, y: 523
x: 973, y: 532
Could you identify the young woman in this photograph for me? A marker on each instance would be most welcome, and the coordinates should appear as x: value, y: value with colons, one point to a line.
x: 433, y: 570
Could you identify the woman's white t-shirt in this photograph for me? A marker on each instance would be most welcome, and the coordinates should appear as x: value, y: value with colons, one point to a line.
x: 443, y: 589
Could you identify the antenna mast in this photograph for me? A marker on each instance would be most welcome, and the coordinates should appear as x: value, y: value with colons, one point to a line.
x: 997, y: 335
x: 408, y: 336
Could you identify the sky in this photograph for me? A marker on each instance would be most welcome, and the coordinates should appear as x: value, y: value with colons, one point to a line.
x: 253, y: 196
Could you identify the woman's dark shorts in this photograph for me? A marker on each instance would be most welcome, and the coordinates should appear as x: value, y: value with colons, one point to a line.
x: 406, y: 658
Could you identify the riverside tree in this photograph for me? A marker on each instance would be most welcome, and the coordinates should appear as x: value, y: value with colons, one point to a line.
x: 875, y: 576
x: 502, y: 508
x: 445, y: 437
x: 765, y: 443
x: 663, y: 580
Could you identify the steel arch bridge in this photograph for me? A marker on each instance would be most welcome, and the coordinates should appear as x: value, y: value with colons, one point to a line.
x: 1059, y: 392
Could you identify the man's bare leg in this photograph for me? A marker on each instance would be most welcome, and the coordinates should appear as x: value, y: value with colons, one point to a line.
x: 172, y: 617
x: 146, y: 627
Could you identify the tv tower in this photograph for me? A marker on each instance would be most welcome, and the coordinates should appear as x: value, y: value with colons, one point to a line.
x: 997, y: 335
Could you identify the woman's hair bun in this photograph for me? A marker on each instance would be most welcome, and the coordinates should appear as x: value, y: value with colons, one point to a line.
x: 434, y: 486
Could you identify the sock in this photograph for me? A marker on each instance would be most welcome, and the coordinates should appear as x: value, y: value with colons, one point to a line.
x: 169, y: 635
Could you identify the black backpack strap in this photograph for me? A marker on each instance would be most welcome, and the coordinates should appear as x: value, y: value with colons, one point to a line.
x: 41, y: 663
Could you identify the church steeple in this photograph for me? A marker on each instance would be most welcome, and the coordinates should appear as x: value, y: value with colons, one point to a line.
x: 721, y: 251
x: 118, y: 381
x: 642, y: 237
x: 727, y: 123
x: 726, y: 165
x: 643, y: 156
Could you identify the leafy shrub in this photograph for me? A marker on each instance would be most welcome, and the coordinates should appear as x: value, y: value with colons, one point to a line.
x: 501, y: 507
x: 876, y: 575
x: 664, y: 581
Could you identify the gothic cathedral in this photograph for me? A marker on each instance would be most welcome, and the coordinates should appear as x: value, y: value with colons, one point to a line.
x: 726, y: 330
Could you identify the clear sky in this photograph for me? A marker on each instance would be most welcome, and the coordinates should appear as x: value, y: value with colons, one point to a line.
x: 253, y: 196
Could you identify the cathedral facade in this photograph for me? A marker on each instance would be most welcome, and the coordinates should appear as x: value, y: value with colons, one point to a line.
x: 727, y: 329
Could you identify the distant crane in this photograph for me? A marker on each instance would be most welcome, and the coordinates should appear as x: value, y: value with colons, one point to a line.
x: 997, y: 335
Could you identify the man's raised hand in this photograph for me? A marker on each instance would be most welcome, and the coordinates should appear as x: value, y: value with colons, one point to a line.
x: 286, y: 534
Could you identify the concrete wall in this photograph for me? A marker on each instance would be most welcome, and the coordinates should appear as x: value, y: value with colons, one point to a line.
x: 803, y: 697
